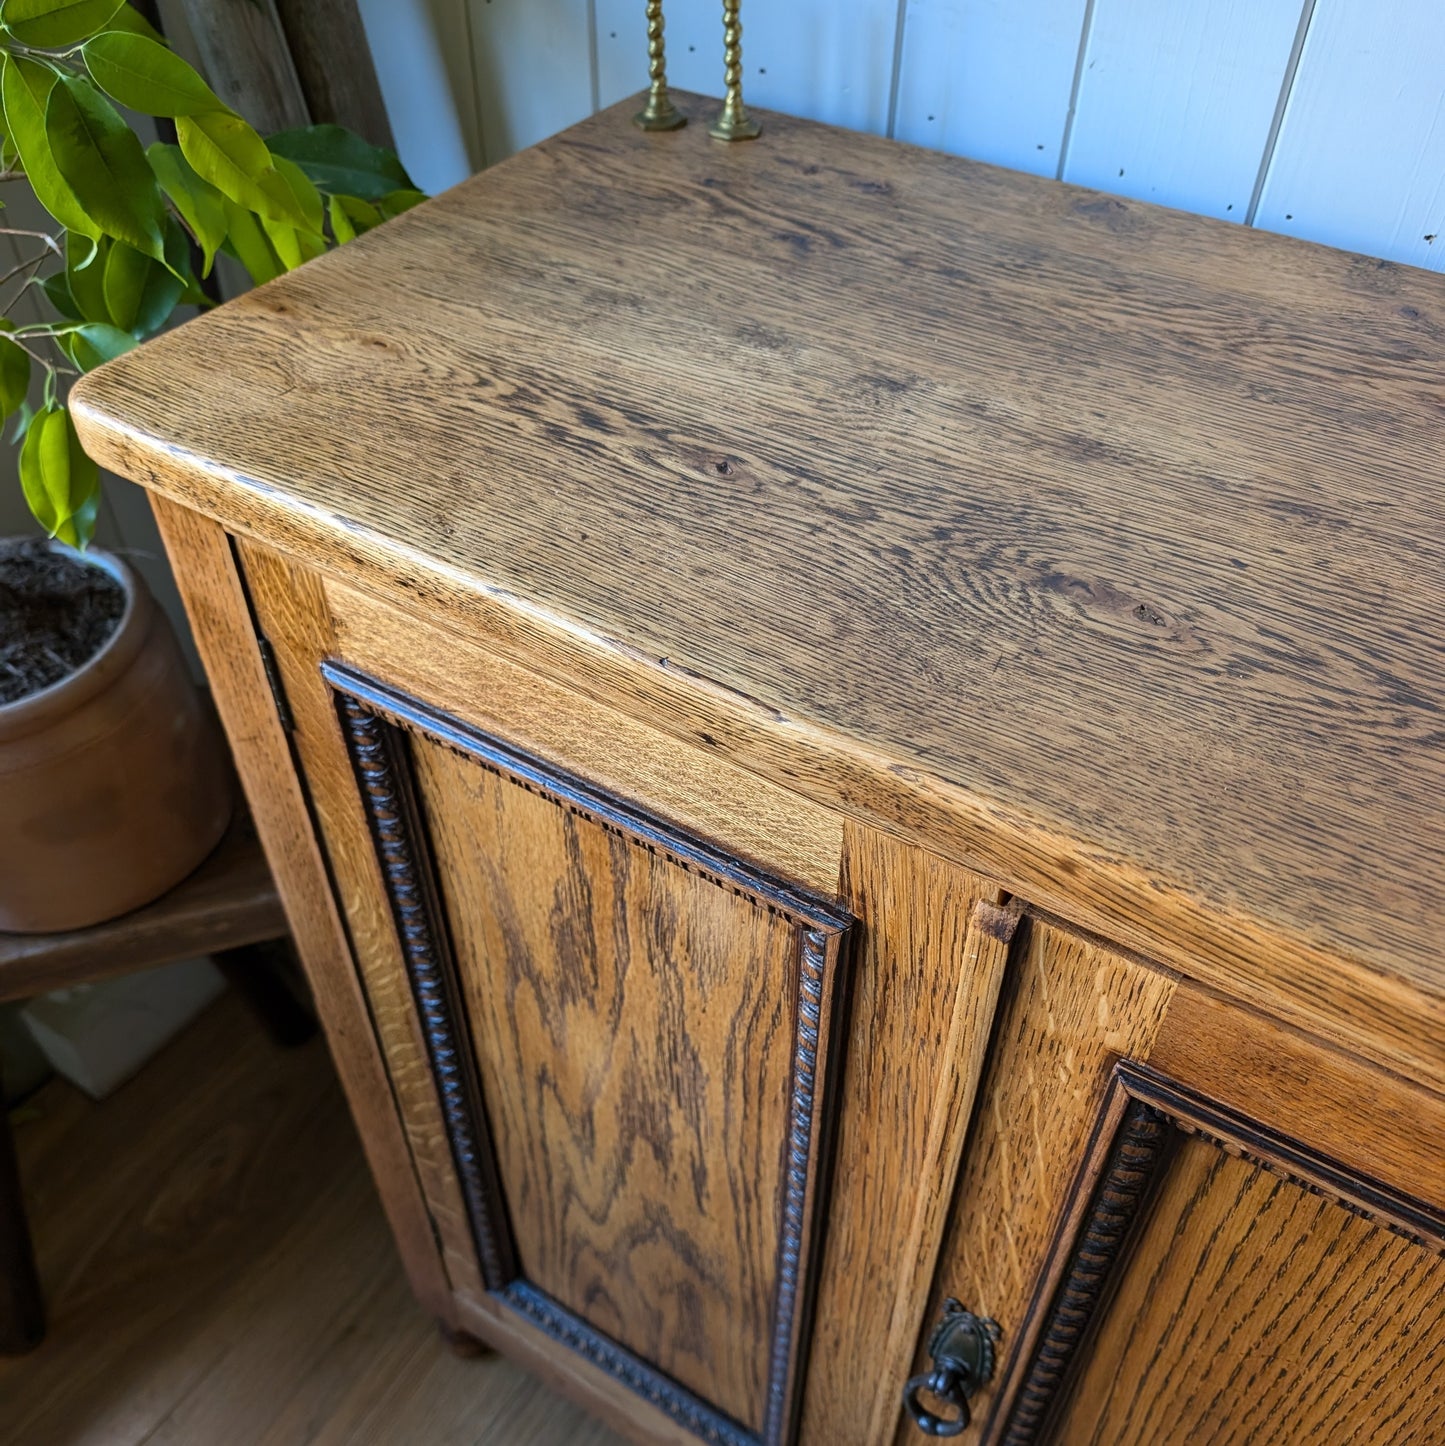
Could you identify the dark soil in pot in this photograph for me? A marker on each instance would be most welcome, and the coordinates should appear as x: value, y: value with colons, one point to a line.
x: 56, y: 613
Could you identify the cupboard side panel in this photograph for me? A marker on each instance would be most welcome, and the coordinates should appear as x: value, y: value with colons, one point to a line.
x: 205, y: 566
x: 291, y: 610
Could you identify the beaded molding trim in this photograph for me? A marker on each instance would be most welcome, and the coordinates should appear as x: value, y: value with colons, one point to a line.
x: 375, y: 720
x: 1159, y: 1112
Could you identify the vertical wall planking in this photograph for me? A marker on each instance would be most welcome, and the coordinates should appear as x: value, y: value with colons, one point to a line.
x: 693, y: 35
x: 1360, y: 157
x: 990, y: 79
x: 1176, y: 101
x: 817, y: 58
x: 452, y: 24
x: 428, y: 93
x: 532, y: 61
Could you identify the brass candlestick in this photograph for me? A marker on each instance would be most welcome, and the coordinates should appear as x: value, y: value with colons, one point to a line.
x: 734, y: 124
x: 659, y: 114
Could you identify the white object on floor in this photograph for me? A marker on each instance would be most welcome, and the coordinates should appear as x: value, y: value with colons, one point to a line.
x: 98, y: 1035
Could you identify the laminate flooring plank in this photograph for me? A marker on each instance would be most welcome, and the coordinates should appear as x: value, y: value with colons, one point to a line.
x: 217, y: 1269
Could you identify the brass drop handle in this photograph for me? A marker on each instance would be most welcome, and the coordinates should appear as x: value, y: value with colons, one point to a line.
x: 962, y: 1349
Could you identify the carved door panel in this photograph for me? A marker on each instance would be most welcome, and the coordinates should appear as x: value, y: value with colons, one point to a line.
x: 628, y: 1033
x: 1186, y: 1225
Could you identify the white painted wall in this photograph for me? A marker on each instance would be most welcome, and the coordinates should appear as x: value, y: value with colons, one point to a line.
x: 1321, y: 118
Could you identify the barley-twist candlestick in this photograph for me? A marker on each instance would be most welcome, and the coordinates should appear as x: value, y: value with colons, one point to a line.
x: 734, y: 124
x: 659, y: 114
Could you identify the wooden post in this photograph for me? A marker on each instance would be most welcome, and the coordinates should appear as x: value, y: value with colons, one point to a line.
x: 245, y: 57
x: 333, y: 61
x: 284, y: 63
x: 22, y: 1308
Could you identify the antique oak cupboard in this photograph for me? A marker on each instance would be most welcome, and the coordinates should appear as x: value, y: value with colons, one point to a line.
x: 844, y: 731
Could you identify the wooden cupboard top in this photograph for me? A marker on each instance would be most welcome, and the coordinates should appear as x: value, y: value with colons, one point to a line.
x: 1118, y: 525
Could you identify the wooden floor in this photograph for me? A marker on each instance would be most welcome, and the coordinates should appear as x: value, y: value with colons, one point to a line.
x: 219, y: 1272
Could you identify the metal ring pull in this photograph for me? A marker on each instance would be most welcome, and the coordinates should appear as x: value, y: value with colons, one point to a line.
x: 962, y: 1347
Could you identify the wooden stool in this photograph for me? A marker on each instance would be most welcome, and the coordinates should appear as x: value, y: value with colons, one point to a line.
x: 228, y: 908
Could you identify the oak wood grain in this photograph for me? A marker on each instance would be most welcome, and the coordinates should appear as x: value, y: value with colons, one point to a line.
x: 1367, y: 1119
x: 295, y: 616
x: 781, y: 832
x: 220, y: 615
x: 1071, y: 1008
x: 1137, y: 508
x: 1253, y: 1311
x: 291, y: 611
x: 925, y: 980
x: 229, y: 901
x: 633, y: 1024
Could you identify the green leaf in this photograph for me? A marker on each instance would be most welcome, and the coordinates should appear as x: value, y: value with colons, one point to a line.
x: 129, y: 19
x: 305, y: 195
x: 140, y: 294
x: 179, y: 260
x: 341, y: 226
x: 201, y: 205
x: 225, y: 151
x: 14, y: 372
x: 395, y: 202
x: 193, y: 295
x: 122, y: 282
x: 285, y: 242
x: 61, y: 484
x: 103, y: 164
x: 248, y: 243
x: 340, y: 162
x: 146, y: 76
x: 23, y: 419
x: 96, y: 342
x: 339, y: 211
x: 294, y: 244
x: 53, y: 24
x: 351, y: 217
x: 85, y: 277
x: 25, y: 87
x: 57, y: 290
x: 279, y: 201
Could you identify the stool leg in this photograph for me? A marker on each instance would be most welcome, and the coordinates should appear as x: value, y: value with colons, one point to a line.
x: 257, y: 972
x: 22, y: 1310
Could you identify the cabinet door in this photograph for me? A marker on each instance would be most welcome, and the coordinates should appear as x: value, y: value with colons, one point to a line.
x: 1190, y: 1225
x: 611, y: 1040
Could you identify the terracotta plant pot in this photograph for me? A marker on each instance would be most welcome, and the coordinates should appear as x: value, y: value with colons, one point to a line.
x: 114, y: 782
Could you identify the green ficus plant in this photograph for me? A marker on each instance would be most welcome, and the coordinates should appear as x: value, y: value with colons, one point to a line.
x: 139, y: 227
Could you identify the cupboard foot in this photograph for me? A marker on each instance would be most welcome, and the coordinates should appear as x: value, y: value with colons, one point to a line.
x: 463, y: 1344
